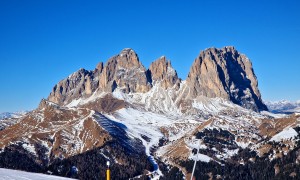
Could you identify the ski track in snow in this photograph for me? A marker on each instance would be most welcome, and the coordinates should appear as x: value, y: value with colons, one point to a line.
x: 120, y: 130
x: 138, y: 124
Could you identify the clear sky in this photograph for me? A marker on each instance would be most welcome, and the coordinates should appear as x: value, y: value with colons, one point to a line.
x: 42, y: 42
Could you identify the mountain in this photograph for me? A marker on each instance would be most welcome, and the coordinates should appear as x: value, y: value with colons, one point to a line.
x: 216, y: 73
x: 284, y: 106
x: 55, y: 126
x: 124, y: 71
x: 48, y: 138
x: 162, y: 71
x: 227, y: 74
x: 151, y: 123
x: 7, y: 119
x: 7, y: 115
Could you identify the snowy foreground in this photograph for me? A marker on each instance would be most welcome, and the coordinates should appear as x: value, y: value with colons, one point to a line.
x: 7, y: 174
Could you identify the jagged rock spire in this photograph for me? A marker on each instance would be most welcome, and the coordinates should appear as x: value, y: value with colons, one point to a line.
x: 162, y: 71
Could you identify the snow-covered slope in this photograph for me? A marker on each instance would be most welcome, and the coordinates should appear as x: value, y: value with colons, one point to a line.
x: 149, y: 128
x: 285, y: 134
x: 7, y: 174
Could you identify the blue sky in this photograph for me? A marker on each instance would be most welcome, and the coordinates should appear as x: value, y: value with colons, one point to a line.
x: 42, y: 42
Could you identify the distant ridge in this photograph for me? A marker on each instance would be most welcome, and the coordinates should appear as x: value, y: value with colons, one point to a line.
x: 283, y: 106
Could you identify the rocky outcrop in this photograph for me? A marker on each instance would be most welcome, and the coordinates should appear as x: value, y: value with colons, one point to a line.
x: 227, y: 74
x: 162, y: 71
x: 123, y: 71
x: 80, y: 84
x: 98, y: 70
x: 126, y: 72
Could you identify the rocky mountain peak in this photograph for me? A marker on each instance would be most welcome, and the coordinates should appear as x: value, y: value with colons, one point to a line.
x: 223, y: 73
x: 229, y: 48
x: 162, y: 71
x: 79, y: 84
x: 227, y: 74
x: 99, y: 67
x: 128, y: 59
x: 126, y: 72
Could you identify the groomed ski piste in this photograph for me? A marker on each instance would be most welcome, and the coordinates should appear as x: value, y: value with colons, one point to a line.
x: 7, y: 174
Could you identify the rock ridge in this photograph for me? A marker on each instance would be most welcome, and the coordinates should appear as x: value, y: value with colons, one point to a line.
x: 223, y: 73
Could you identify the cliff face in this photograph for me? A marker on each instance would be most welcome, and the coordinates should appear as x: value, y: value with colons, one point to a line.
x: 223, y: 73
x: 123, y: 71
x: 227, y: 74
x: 79, y: 84
x: 162, y: 71
x: 126, y: 72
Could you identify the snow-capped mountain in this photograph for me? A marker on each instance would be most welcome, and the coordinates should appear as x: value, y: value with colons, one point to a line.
x: 284, y: 106
x: 151, y: 123
x: 7, y: 115
x: 9, y: 119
